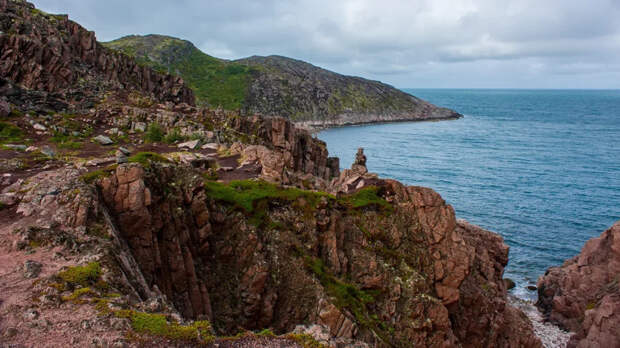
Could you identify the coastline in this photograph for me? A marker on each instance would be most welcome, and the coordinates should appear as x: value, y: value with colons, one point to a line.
x: 317, y: 126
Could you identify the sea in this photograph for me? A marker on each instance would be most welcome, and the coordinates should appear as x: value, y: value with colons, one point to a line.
x: 539, y: 167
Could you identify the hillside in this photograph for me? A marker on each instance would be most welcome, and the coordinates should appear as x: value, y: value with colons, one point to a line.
x: 215, y: 82
x: 279, y: 86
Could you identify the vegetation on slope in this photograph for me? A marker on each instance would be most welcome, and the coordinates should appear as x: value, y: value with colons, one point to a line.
x: 215, y: 82
x: 274, y: 85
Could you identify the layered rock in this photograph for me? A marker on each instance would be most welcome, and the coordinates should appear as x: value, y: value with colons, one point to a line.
x: 51, y: 53
x: 410, y: 275
x: 583, y: 295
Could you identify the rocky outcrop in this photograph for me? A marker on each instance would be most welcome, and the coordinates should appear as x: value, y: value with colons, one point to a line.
x: 316, y: 98
x: 583, y: 295
x: 50, y: 53
x: 483, y: 296
x: 401, y: 273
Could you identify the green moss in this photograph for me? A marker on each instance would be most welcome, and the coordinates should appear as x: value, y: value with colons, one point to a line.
x: 146, y: 158
x: 367, y: 197
x: 590, y: 305
x: 9, y: 133
x: 82, y: 275
x: 158, y: 325
x: 74, y: 297
x: 154, y: 133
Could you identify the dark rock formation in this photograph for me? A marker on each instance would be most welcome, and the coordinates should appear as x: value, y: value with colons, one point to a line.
x: 50, y: 53
x: 583, y: 295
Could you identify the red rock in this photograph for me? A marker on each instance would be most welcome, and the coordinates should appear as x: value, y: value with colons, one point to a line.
x: 582, y: 295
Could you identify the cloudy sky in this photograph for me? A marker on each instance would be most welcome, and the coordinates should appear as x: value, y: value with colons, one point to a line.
x: 407, y: 43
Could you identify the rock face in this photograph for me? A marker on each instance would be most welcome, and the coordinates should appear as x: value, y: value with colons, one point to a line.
x: 280, y: 86
x: 401, y: 277
x: 583, y: 294
x: 50, y: 53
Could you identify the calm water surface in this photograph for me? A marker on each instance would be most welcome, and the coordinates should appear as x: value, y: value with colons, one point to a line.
x: 540, y: 167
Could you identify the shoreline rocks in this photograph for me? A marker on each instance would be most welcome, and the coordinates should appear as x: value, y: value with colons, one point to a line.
x: 583, y: 294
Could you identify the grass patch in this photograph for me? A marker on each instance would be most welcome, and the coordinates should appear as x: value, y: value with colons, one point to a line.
x: 367, y: 197
x: 246, y: 194
x: 64, y: 141
x: 95, y: 175
x: 158, y: 325
x: 9, y: 133
x: 146, y: 158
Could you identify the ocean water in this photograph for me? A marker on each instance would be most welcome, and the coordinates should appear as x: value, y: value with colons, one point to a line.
x: 539, y: 167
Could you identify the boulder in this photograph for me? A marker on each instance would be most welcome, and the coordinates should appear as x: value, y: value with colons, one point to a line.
x: 103, y: 140
x: 192, y: 145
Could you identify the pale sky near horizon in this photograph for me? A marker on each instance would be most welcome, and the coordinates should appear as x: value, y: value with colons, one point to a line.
x: 409, y: 44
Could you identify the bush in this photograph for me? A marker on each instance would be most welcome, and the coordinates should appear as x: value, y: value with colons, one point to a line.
x: 154, y: 133
x: 174, y: 136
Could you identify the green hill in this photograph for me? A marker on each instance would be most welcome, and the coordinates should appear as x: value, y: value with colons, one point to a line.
x: 277, y: 85
x: 216, y: 82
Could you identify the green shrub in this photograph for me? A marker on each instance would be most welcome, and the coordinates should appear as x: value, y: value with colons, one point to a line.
x: 10, y: 133
x: 174, y: 136
x: 154, y: 133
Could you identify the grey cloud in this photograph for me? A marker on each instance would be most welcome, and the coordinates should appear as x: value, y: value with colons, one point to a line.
x: 422, y: 43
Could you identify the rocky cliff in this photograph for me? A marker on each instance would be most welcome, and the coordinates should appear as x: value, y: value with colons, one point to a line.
x: 50, y: 53
x: 275, y: 85
x: 583, y: 295
x: 132, y: 218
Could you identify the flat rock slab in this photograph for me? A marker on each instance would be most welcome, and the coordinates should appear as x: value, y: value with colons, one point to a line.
x: 103, y: 140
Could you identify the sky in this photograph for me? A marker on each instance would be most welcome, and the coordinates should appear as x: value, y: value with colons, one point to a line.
x: 406, y: 43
